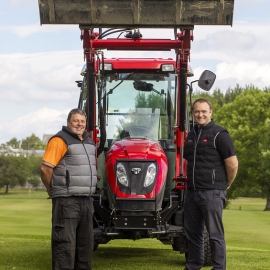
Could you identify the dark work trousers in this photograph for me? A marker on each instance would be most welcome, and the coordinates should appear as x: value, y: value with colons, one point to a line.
x: 204, y: 208
x: 72, y: 233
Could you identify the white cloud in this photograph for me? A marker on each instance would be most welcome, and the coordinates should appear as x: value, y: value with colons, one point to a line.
x: 245, y: 73
x: 238, y: 55
x: 40, y: 77
x: 227, y: 40
x: 43, y: 121
x: 24, y: 31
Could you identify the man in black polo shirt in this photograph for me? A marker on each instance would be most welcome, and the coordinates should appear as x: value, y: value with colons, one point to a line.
x: 211, y: 169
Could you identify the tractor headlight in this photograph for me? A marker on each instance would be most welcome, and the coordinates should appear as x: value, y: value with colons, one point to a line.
x: 121, y: 174
x: 107, y: 66
x: 150, y: 175
x: 168, y: 67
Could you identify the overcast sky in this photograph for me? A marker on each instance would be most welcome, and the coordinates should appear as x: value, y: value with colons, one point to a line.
x: 40, y: 64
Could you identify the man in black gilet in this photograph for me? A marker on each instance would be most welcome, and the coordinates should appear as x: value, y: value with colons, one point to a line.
x: 211, y: 169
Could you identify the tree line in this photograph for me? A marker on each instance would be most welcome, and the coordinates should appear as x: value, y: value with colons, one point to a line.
x: 29, y: 143
x: 243, y: 111
x: 18, y: 168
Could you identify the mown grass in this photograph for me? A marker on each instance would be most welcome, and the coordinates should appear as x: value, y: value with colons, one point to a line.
x: 25, y: 228
x: 247, y: 234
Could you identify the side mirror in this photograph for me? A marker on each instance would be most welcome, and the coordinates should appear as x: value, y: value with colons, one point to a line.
x: 207, y: 80
x: 79, y: 83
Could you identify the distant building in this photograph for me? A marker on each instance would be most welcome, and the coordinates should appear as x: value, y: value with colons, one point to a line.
x: 9, y: 150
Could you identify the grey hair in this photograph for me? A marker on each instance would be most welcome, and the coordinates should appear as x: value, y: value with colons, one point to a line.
x: 76, y: 111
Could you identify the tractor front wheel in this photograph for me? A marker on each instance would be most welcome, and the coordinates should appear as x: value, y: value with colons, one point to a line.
x: 95, y: 245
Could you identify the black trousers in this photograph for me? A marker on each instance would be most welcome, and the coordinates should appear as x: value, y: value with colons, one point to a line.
x: 204, y: 208
x: 72, y: 233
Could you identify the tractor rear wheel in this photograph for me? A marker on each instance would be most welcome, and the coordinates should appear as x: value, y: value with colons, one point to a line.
x: 207, y: 249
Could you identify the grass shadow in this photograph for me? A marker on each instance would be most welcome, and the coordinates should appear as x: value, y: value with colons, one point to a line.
x: 142, y: 258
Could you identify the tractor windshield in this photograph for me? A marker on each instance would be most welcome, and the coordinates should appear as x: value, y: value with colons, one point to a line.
x: 139, y: 105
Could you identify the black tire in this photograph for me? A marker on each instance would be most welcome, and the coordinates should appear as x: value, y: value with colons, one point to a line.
x: 95, y: 245
x: 180, y: 244
x: 95, y: 225
x: 207, y: 249
x: 175, y: 247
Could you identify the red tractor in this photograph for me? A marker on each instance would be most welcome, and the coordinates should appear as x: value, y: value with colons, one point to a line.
x: 137, y: 110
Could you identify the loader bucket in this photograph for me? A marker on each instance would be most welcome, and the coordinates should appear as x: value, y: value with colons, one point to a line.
x: 137, y: 13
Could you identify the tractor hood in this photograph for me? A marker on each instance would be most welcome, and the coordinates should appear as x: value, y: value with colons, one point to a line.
x: 136, y: 149
x: 139, y: 13
x: 135, y: 156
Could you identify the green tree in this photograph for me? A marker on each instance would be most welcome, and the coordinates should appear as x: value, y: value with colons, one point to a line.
x: 14, y: 142
x: 3, y: 147
x: 13, y: 171
x: 34, y: 164
x: 232, y: 93
x: 34, y: 170
x: 142, y: 100
x: 152, y: 100
x: 32, y: 143
x: 264, y: 181
x: 34, y: 180
x: 264, y: 177
x: 245, y: 118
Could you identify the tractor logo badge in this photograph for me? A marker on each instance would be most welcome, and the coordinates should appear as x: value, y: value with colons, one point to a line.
x: 136, y: 170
